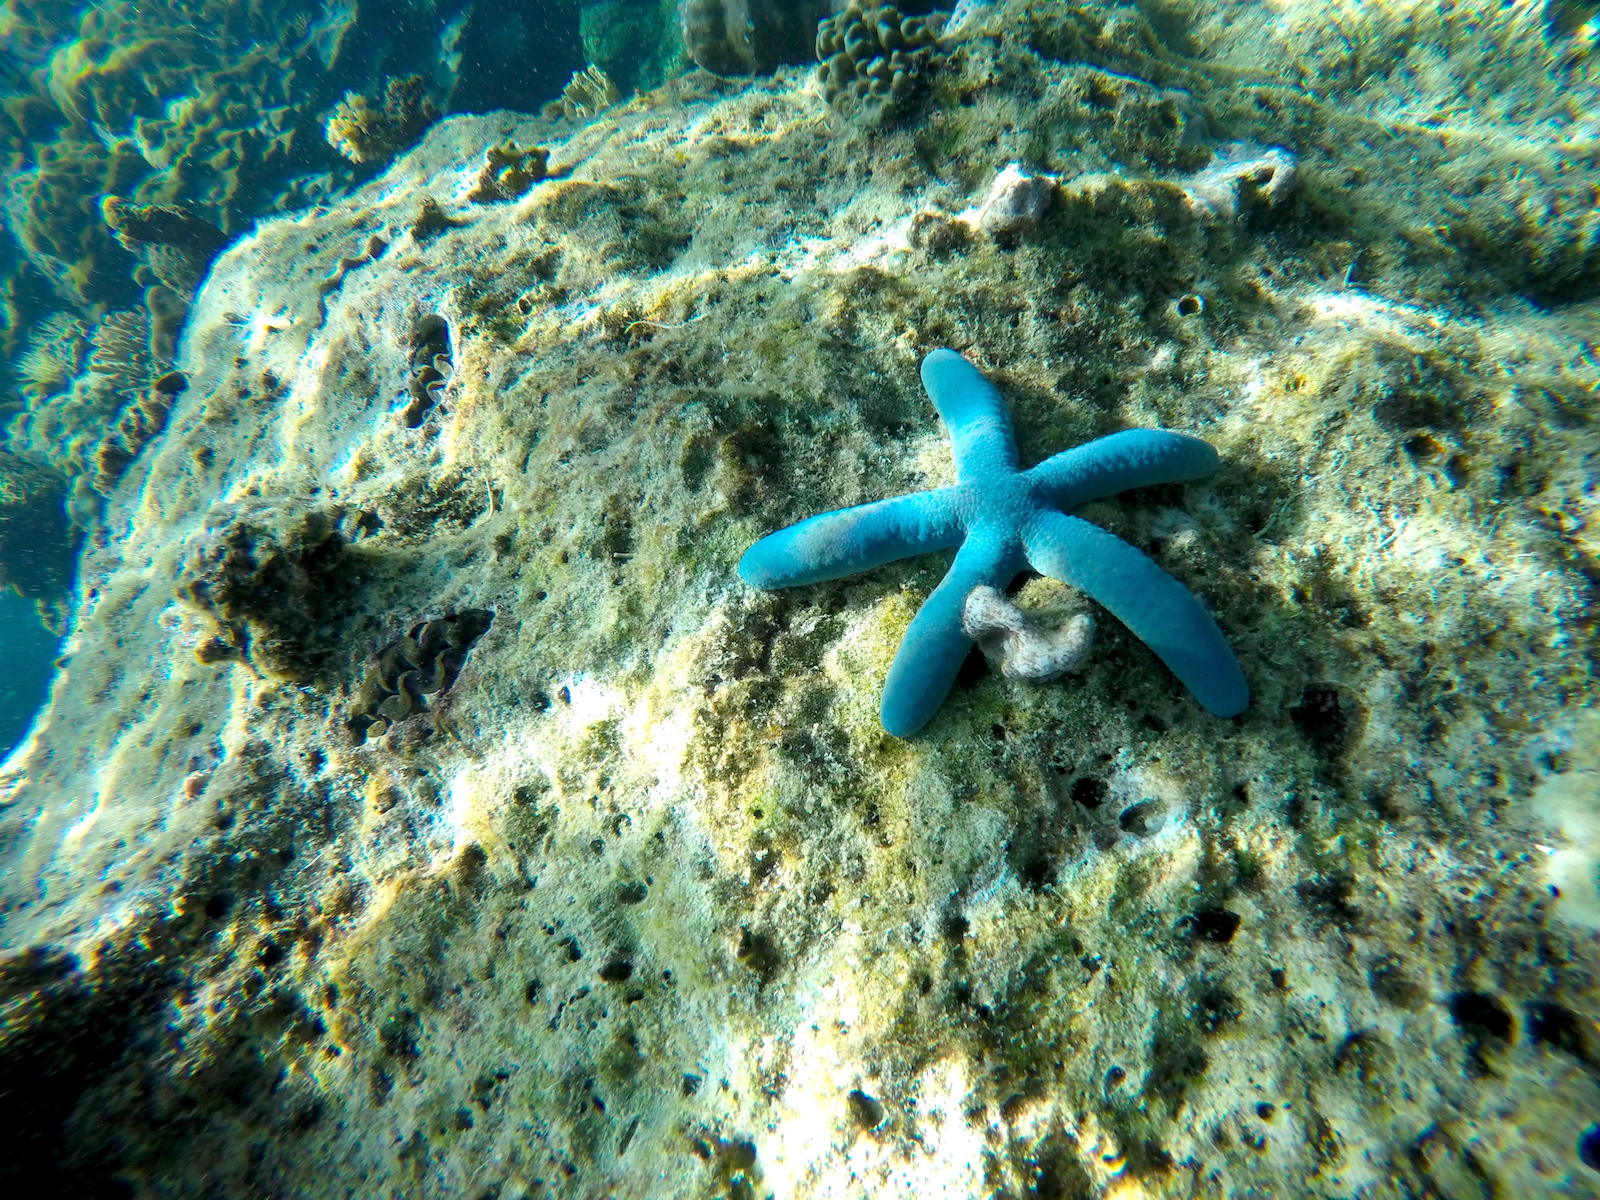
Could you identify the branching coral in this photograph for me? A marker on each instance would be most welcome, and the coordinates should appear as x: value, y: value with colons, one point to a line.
x: 367, y: 131
x: 588, y: 93
x: 54, y: 355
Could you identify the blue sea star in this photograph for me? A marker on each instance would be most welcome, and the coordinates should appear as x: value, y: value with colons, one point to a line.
x: 1004, y: 519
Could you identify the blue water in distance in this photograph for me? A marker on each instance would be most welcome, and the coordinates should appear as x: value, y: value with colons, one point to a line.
x: 30, y: 654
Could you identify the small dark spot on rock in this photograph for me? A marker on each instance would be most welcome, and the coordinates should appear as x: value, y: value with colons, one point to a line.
x: 1552, y: 1025
x: 1480, y: 1016
x: 1328, y: 898
x: 1214, y: 1008
x: 1589, y: 1147
x: 1364, y: 1055
x: 690, y: 1085
x: 1328, y: 717
x: 1266, y: 1111
x: 764, y: 862
x: 758, y: 952
x: 399, y: 1034
x: 1391, y: 982
x: 865, y: 1111
x: 1280, y: 978
x: 617, y: 970
x: 1422, y: 448
x: 1213, y: 924
x: 631, y: 893
x: 1089, y: 792
x: 1141, y: 819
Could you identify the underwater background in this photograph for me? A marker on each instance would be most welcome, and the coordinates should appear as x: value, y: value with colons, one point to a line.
x: 439, y: 755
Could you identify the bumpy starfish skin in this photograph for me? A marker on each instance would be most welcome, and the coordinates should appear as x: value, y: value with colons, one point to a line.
x: 1005, y: 520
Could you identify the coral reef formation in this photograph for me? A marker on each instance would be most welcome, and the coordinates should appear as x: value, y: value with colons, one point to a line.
x: 122, y: 355
x: 52, y: 358
x: 178, y: 242
x: 509, y: 171
x: 267, y: 589
x: 218, y: 109
x: 870, y: 54
x: 588, y: 93
x: 650, y: 904
x: 375, y: 130
x: 143, y: 418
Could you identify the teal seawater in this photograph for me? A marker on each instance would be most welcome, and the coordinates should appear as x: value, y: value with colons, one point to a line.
x: 30, y: 653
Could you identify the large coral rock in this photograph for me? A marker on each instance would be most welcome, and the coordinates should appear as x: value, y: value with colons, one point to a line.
x: 644, y: 902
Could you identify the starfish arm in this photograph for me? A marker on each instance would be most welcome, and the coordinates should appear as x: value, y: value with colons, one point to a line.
x: 1130, y: 459
x: 1160, y: 611
x: 935, y: 645
x: 980, y: 428
x: 835, y: 544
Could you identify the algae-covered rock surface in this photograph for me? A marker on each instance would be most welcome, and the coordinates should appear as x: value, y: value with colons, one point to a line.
x: 424, y: 807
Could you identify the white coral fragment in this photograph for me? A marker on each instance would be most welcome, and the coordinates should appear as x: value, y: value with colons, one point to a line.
x: 1242, y: 176
x: 1025, y: 649
x: 1016, y: 203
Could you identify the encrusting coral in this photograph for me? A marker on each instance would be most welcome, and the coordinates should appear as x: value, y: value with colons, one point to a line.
x: 267, y: 590
x: 144, y: 418
x: 1002, y: 520
x: 509, y: 171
